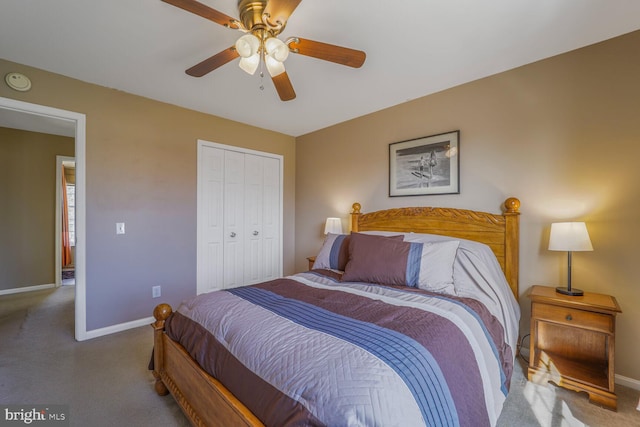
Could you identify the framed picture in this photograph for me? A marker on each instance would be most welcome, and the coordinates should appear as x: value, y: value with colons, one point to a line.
x: 428, y: 165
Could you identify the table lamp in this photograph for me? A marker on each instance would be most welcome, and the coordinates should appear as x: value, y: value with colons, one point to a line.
x: 333, y: 226
x: 570, y: 237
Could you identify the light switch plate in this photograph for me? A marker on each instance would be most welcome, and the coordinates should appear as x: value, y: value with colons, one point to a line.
x: 119, y: 227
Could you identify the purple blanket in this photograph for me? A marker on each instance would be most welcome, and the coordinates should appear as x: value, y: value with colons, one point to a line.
x: 311, y: 350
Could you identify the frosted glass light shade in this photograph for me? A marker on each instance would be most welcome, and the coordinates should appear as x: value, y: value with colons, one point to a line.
x: 569, y: 236
x: 276, y: 49
x: 274, y: 66
x: 247, y: 45
x: 333, y: 226
x: 250, y: 64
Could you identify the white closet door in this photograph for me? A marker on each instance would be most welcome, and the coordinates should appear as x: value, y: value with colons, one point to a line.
x: 271, y: 220
x: 239, y: 217
x: 210, y: 218
x: 234, y: 262
x: 253, y: 218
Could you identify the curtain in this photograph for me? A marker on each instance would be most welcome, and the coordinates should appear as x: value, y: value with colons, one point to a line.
x: 66, y: 246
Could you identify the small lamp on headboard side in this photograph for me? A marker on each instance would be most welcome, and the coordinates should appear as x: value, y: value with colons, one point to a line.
x: 333, y: 226
x: 570, y: 237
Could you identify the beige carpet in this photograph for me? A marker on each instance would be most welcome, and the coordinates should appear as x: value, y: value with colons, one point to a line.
x: 105, y: 381
x: 532, y: 405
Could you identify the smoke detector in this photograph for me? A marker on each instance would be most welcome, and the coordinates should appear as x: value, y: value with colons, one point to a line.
x: 18, y: 81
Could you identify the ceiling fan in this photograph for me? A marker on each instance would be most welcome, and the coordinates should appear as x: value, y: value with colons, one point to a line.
x: 262, y: 21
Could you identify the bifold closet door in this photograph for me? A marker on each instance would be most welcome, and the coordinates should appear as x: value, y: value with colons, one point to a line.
x: 234, y: 229
x: 262, y: 218
x: 271, y: 219
x: 210, y: 218
x: 239, y: 218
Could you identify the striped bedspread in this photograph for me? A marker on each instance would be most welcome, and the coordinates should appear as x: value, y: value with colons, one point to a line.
x: 311, y: 350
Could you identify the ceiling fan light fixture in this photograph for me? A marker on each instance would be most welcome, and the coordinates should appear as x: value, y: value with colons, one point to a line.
x: 261, y: 22
x: 247, y: 45
x: 276, y: 49
x: 250, y: 64
x: 274, y: 66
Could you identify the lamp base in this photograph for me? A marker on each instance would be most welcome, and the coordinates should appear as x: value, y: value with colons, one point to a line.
x: 567, y: 291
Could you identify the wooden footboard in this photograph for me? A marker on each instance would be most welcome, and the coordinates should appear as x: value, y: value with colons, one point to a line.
x: 204, y: 400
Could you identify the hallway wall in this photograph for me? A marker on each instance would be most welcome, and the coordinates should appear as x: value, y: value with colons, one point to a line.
x: 27, y: 213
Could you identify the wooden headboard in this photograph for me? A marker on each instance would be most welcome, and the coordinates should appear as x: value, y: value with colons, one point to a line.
x: 501, y: 232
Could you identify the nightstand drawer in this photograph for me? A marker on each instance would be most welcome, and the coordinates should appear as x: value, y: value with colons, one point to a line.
x: 573, y: 317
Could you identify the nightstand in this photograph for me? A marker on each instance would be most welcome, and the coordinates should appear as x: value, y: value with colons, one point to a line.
x: 573, y: 342
x: 311, y: 260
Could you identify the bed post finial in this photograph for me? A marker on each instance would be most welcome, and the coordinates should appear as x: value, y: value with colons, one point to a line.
x: 355, y: 215
x: 512, y: 205
x: 161, y: 313
x: 512, y: 243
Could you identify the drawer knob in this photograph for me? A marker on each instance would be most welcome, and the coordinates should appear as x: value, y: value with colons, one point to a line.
x: 569, y: 317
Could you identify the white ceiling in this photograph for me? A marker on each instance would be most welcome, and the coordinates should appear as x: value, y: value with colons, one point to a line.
x: 36, y: 123
x: 414, y: 48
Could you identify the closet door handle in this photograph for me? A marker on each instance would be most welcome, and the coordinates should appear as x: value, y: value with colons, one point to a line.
x: 255, y: 233
x: 233, y: 234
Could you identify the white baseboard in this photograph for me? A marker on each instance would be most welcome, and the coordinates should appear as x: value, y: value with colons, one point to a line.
x: 628, y: 382
x: 116, y: 328
x: 27, y: 289
x: 619, y: 379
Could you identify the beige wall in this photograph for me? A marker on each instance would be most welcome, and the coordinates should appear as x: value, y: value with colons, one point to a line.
x: 141, y: 170
x: 562, y: 134
x: 27, y: 207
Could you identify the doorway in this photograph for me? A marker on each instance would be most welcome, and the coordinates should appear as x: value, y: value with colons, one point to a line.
x: 45, y: 119
x: 65, y: 215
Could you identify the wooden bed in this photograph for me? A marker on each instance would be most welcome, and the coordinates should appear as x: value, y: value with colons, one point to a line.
x: 206, y: 402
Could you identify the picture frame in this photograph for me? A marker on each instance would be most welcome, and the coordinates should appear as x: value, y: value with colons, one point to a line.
x: 425, y: 166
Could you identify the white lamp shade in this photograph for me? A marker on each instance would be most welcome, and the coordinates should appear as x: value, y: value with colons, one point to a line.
x: 247, y: 45
x: 569, y: 236
x: 276, y: 49
x: 250, y: 64
x: 274, y: 67
x: 333, y: 225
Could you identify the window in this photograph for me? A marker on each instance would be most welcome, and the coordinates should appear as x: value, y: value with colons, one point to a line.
x: 71, y: 204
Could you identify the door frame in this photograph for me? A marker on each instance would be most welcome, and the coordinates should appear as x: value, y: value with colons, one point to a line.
x: 200, y: 214
x: 80, y: 121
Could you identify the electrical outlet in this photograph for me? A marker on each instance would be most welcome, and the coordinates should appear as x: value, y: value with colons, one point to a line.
x: 155, y: 292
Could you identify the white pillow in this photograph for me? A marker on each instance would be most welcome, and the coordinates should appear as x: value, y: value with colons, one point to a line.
x: 436, y: 266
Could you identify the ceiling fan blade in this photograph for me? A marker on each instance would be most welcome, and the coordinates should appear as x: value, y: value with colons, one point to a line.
x: 328, y: 52
x: 284, y: 87
x: 206, y: 12
x: 210, y: 64
x: 280, y: 10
